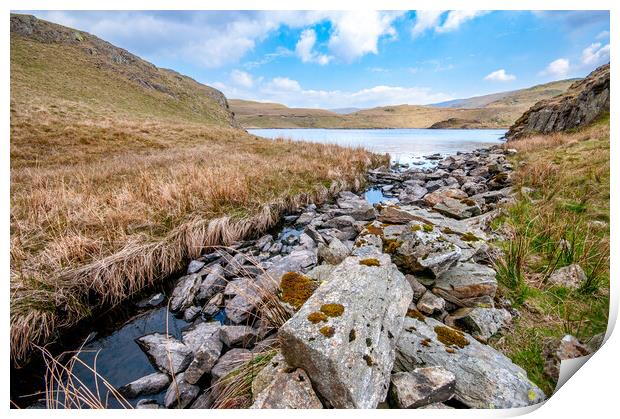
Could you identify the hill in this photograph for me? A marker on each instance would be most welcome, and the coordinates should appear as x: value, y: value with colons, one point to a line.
x: 122, y: 171
x: 497, y: 110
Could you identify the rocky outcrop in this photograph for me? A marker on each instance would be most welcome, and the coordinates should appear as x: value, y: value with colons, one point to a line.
x: 581, y: 104
x: 421, y: 387
x: 344, y: 335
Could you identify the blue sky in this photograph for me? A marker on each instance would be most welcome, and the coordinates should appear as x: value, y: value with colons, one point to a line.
x: 358, y: 58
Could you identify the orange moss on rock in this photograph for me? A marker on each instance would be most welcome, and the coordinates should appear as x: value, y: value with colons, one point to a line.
x: 327, y: 331
x: 317, y: 317
x: 296, y: 288
x: 370, y: 262
x: 451, y: 337
x: 332, y: 310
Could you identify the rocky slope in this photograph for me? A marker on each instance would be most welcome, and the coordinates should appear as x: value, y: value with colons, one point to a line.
x: 582, y: 103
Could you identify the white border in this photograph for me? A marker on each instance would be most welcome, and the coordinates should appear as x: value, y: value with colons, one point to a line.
x: 592, y: 391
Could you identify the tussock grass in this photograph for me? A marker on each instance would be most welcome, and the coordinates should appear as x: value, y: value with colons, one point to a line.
x: 563, y: 219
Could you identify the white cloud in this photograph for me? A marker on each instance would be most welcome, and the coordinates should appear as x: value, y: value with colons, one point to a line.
x: 357, y: 32
x: 290, y: 92
x: 457, y: 17
x: 557, y: 68
x: 432, y: 19
x: 603, y: 35
x: 500, y: 75
x: 305, y: 48
x: 241, y: 78
x: 595, y: 54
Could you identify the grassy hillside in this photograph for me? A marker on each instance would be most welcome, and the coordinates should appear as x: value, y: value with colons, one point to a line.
x: 498, y: 110
x: 560, y: 217
x: 121, y: 171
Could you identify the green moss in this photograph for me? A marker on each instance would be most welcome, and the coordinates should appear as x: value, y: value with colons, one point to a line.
x: 332, y: 310
x: 469, y: 237
x: 428, y: 228
x: 415, y: 227
x: 317, y: 317
x: 296, y: 288
x: 370, y: 262
x: 327, y: 331
x: 415, y: 314
x: 369, y: 360
x: 390, y: 246
x: 451, y: 337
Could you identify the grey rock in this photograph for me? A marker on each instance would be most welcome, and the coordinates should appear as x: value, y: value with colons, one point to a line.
x: 288, y: 391
x: 165, y: 352
x: 152, y: 301
x: 180, y: 393
x: 334, y: 253
x: 184, y: 293
x: 412, y: 194
x: 440, y: 194
x: 424, y: 251
x: 205, y: 358
x: 557, y: 350
x: 485, y: 378
x: 457, y: 209
x: 229, y: 361
x: 213, y: 283
x: 194, y: 266
x: 356, y: 207
x: 571, y: 277
x: 320, y: 273
x: 350, y: 360
x: 149, y: 384
x: 238, y: 286
x: 417, y: 288
x: 340, y: 223
x: 197, y: 334
x: 265, y: 240
x: 430, y: 304
x: 473, y: 188
x: 214, y: 305
x: 235, y: 265
x: 191, y: 313
x: 482, y: 323
x: 148, y: 404
x: 422, y: 386
x: 465, y: 281
x: 203, y: 401
x: 305, y: 219
x: 244, y: 336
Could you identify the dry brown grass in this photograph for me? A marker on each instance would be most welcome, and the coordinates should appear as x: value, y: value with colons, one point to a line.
x: 102, y: 207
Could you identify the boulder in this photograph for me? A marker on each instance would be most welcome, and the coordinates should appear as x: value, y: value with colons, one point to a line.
x: 194, y: 266
x: 557, y: 350
x: 358, y: 208
x: 165, y: 352
x: 180, y: 393
x: 412, y: 194
x: 417, y: 288
x: 457, y: 209
x: 214, y: 305
x: 430, y: 304
x: 485, y: 378
x: 149, y: 384
x: 213, y: 283
x: 205, y: 357
x: 196, y: 335
x: 148, y: 404
x: 466, y: 281
x: 243, y: 336
x: 228, y: 362
x: 571, y: 277
x: 288, y: 390
x: 440, y: 194
x: 344, y: 335
x: 334, y: 253
x: 422, y: 250
x: 481, y: 323
x: 184, y: 292
x: 422, y: 386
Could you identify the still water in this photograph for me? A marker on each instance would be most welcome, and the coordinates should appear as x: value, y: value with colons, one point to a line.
x: 404, y: 145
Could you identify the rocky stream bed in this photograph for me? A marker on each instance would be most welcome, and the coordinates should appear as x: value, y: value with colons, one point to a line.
x: 382, y: 299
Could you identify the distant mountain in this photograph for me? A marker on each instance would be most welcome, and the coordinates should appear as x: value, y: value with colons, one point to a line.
x: 498, y: 110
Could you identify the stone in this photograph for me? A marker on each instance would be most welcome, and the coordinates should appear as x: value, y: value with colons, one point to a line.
x: 203, y: 401
x: 320, y: 273
x: 485, y: 378
x: 557, y: 350
x: 440, y: 194
x: 473, y: 188
x: 191, y: 313
x: 358, y: 208
x: 148, y: 404
x: 492, y: 196
x: 149, y: 384
x: 412, y: 194
x: 196, y: 335
x: 214, y: 305
x: 421, y: 387
x: 422, y: 250
x: 213, y: 283
x: 430, y: 304
x: 165, y: 352
x: 457, y: 209
x: 180, y: 393
x: 288, y: 391
x: 264, y: 241
x: 305, y: 219
x: 235, y: 265
x: 417, y: 288
x: 194, y: 266
x: 482, y: 323
x: 465, y: 281
x: 571, y: 277
x: 349, y: 356
x: 595, y: 342
x: 341, y: 222
x: 229, y: 361
x: 238, y: 286
x: 184, y: 293
x: 205, y: 358
x: 152, y: 301
x: 334, y: 253
x: 244, y: 336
